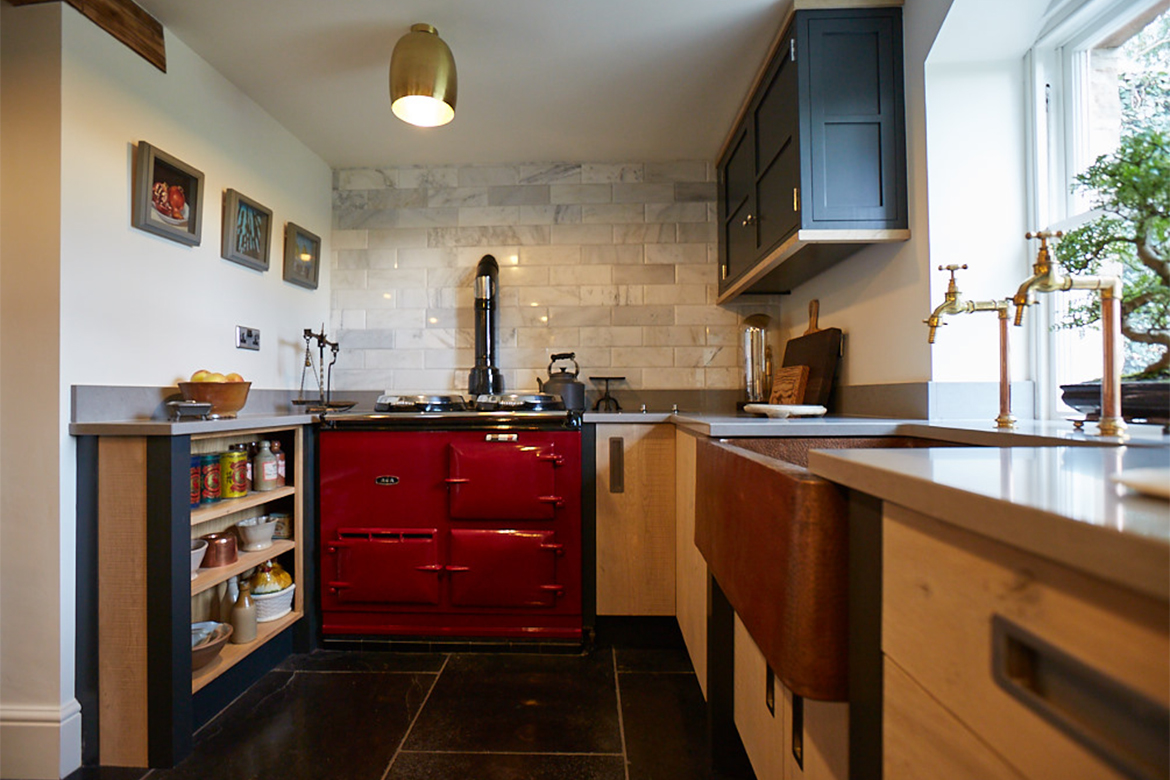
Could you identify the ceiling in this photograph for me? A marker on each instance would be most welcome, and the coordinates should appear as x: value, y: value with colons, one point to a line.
x: 539, y: 80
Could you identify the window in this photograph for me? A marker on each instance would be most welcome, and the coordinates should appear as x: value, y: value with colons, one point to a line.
x: 1101, y: 69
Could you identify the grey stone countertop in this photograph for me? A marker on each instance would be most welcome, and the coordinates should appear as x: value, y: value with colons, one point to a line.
x: 981, y: 433
x: 189, y: 427
x: 1059, y: 502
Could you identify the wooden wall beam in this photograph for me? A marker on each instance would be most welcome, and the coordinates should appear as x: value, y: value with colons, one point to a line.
x: 127, y: 22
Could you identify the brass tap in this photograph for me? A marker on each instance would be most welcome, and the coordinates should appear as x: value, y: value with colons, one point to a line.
x: 954, y: 304
x: 1047, y: 278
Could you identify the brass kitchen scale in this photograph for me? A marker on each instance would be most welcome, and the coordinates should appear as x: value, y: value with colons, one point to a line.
x: 322, y: 374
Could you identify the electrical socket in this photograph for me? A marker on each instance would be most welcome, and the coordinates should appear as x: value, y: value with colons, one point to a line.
x: 247, y: 338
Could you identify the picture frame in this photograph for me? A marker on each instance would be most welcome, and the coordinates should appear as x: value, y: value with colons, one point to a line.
x: 302, y: 256
x: 247, y: 231
x: 167, y: 196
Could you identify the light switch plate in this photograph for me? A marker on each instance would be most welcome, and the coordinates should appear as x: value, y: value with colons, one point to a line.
x: 247, y: 338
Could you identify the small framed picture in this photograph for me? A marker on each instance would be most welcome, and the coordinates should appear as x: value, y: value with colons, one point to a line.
x: 168, y: 196
x: 247, y: 231
x: 302, y: 256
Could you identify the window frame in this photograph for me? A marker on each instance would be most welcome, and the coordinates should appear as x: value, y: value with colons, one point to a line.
x: 1058, y: 68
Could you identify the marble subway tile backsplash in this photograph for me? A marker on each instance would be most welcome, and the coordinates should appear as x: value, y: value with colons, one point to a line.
x: 613, y: 261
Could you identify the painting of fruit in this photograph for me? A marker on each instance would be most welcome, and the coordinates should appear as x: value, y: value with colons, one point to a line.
x: 168, y: 196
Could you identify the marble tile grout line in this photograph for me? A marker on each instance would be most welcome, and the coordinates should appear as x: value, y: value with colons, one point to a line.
x: 414, y: 720
x: 617, y: 689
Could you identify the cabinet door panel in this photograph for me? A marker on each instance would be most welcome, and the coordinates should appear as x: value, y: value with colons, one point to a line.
x: 851, y: 122
x: 778, y: 156
x: 740, y: 239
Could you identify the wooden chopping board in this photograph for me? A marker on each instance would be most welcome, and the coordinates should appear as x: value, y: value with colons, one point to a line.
x: 819, y: 349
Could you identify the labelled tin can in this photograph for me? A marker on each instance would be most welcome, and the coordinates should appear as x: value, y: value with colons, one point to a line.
x: 209, y: 484
x: 283, y: 529
x: 196, y: 480
x: 233, y: 469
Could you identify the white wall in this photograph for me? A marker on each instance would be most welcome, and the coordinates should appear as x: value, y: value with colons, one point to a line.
x: 39, y: 728
x: 90, y: 300
x: 978, y: 203
x: 138, y: 309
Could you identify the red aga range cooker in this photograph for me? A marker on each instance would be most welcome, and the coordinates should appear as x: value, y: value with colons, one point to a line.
x: 439, y: 520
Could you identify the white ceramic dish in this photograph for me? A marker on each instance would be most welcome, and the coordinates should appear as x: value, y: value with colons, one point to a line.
x: 780, y: 411
x: 198, y: 550
x: 256, y: 532
x: 1149, y: 482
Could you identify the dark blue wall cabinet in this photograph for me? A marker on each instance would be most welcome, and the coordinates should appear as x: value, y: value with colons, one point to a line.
x: 816, y: 169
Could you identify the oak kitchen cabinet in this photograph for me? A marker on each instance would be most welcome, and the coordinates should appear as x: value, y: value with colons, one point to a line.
x: 816, y: 168
x: 1001, y: 663
x: 149, y: 701
x: 635, y: 498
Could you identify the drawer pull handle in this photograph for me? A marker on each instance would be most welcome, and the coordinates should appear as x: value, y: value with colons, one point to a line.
x: 457, y: 480
x: 435, y: 567
x: 554, y: 500
x: 617, y: 464
x: 556, y: 549
x: 1121, y: 726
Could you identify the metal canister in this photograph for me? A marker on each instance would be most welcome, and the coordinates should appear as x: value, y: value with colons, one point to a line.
x: 196, y: 480
x: 233, y: 470
x: 283, y: 529
x: 209, y: 482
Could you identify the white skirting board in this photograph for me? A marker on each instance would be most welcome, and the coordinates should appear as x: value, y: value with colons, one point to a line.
x: 40, y: 742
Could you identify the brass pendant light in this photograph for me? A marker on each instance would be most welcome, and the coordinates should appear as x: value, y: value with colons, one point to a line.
x: 422, y: 78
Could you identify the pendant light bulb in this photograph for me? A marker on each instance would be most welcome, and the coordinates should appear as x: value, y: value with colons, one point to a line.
x: 422, y: 78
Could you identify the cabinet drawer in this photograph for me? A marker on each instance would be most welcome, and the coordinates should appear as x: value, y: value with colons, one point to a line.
x: 1098, y: 656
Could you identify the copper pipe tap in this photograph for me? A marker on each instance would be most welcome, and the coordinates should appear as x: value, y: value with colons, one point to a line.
x: 1047, y: 278
x: 954, y: 304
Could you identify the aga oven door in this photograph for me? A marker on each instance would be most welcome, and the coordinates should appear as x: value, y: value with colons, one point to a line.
x: 503, y: 479
x: 504, y: 568
x: 383, y: 566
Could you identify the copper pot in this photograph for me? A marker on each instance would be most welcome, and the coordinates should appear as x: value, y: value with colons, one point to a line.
x: 221, y: 550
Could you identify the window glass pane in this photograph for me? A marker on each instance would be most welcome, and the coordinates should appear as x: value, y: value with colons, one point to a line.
x: 1125, y: 85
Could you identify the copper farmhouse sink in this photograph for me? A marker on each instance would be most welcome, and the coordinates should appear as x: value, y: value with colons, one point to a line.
x: 775, y: 537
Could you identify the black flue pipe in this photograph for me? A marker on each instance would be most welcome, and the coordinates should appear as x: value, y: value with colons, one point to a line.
x: 486, y: 378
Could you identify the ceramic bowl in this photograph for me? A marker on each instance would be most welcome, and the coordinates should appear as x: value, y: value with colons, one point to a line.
x: 226, y: 398
x: 198, y: 550
x: 256, y: 532
x: 221, y: 550
x: 207, y: 639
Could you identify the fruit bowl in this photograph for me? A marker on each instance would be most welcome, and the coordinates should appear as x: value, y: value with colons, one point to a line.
x: 226, y: 398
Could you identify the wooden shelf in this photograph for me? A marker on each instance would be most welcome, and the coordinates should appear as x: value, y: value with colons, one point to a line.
x: 230, y: 505
x: 209, y: 578
x: 233, y: 654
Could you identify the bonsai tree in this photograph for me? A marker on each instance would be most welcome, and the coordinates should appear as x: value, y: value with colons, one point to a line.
x: 1132, y: 188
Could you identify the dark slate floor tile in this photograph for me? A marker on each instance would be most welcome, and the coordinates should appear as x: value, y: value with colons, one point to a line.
x: 297, y: 726
x: 641, y: 659
x: 344, y: 661
x: 107, y: 773
x: 523, y: 704
x: 511, y: 766
x: 665, y: 722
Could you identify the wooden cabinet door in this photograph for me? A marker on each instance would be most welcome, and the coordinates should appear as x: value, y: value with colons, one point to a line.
x: 690, y: 580
x: 635, y: 519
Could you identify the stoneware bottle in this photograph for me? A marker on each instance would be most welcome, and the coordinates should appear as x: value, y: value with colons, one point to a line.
x: 244, y: 616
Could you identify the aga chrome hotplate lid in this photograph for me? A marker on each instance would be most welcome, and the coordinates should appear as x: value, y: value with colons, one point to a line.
x: 420, y: 403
